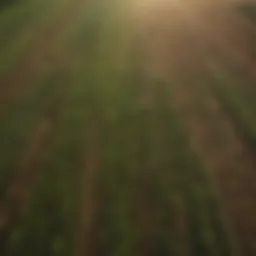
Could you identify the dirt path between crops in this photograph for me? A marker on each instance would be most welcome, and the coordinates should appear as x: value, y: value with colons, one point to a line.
x: 42, y: 55
x: 178, y: 48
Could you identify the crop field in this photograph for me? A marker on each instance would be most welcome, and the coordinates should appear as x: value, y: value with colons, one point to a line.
x: 127, y: 128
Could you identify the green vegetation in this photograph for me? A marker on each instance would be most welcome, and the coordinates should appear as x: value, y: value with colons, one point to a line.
x: 248, y: 9
x: 114, y: 130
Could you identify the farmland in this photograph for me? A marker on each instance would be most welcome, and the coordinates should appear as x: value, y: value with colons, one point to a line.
x: 127, y: 128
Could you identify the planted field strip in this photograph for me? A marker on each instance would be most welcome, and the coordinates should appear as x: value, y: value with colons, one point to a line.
x: 66, y: 143
x: 146, y: 183
x: 117, y: 232
x: 207, y: 232
x: 116, y: 226
x: 19, y: 44
x: 106, y: 150
x: 214, y: 136
x: 104, y: 225
x: 19, y: 123
x: 22, y: 117
x: 149, y: 178
x: 178, y: 182
x: 224, y: 33
x: 37, y: 115
x: 53, y: 208
x: 20, y: 179
x: 238, y: 98
x: 41, y: 55
x: 88, y: 227
x: 19, y: 18
x: 247, y: 9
